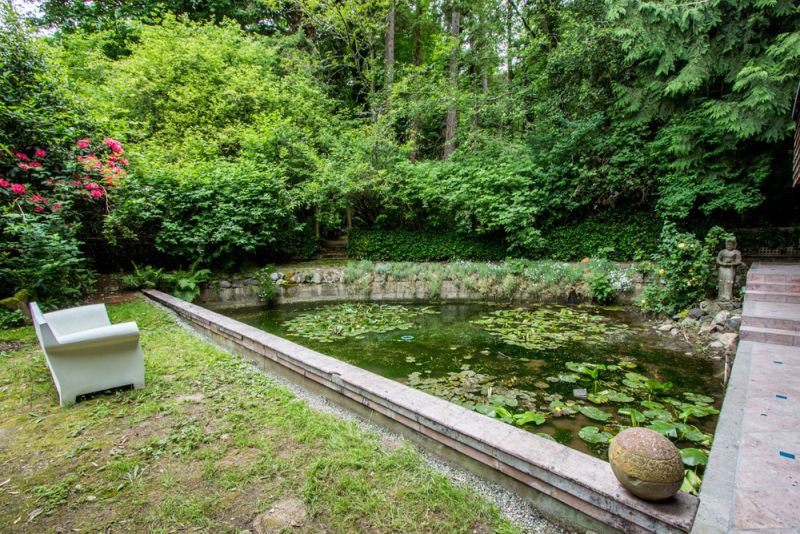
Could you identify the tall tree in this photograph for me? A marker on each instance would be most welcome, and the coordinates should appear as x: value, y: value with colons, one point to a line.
x: 451, y: 121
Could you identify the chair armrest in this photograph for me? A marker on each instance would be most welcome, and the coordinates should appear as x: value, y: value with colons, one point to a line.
x: 106, y: 336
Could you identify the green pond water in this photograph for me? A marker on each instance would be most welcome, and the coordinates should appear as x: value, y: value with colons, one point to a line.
x: 440, y: 349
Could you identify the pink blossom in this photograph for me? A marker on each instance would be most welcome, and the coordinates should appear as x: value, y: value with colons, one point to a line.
x: 57, y: 207
x: 40, y: 153
x: 77, y: 182
x: 114, y: 145
x: 97, y: 193
x: 37, y: 199
x: 21, y: 156
x: 18, y: 189
x: 38, y: 209
x: 83, y: 143
x: 91, y: 185
x: 4, y: 182
x: 124, y: 161
x: 23, y: 166
x: 35, y: 164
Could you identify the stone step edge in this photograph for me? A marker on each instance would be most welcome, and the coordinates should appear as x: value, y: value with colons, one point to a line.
x: 776, y: 287
x: 772, y: 296
x: 769, y: 335
x: 780, y: 323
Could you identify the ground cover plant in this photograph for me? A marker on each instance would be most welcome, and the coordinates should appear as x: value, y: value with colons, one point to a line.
x: 207, y: 445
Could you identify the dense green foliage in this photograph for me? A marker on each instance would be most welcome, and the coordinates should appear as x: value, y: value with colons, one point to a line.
x: 684, y: 269
x: 554, y: 129
x: 410, y: 245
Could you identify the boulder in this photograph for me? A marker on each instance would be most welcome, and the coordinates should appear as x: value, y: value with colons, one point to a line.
x: 316, y: 278
x: 710, y: 307
x: 733, y: 323
x: 666, y: 327
x: 224, y: 284
x: 298, y: 278
x: 646, y: 463
x: 721, y: 317
x: 716, y: 345
x: 275, y: 276
x: 707, y: 329
x: 674, y: 332
x: 729, y: 340
x: 689, y: 323
x: 696, y: 313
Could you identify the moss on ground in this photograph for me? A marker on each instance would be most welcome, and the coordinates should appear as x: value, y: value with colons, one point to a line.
x: 207, y: 445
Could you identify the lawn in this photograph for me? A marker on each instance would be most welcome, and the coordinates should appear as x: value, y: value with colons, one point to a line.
x: 210, y: 444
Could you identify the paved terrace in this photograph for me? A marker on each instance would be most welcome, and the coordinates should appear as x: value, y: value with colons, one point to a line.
x: 752, y: 483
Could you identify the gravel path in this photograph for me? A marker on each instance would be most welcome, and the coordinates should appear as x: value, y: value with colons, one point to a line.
x: 512, y: 506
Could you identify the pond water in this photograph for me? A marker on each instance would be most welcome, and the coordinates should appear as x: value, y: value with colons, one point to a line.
x: 524, y: 366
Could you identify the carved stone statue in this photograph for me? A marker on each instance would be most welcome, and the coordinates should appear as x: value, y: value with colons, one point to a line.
x: 728, y: 260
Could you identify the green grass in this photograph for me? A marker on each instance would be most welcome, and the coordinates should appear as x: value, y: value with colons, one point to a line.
x: 165, y: 459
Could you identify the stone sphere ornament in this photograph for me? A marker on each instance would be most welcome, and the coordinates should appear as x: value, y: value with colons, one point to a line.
x: 646, y: 463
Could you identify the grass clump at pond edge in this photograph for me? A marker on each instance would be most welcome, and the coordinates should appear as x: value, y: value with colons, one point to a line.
x: 208, y: 444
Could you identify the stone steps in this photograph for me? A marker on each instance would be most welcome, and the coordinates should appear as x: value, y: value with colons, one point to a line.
x: 776, y: 336
x: 772, y: 296
x: 774, y: 287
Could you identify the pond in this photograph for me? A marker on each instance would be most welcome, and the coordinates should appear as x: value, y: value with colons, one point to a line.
x: 575, y: 374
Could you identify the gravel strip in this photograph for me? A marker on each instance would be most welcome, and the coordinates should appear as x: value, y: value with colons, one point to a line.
x: 512, y: 506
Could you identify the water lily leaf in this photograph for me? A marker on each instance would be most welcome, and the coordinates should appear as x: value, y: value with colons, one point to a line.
x: 653, y: 405
x: 691, y: 482
x: 597, y: 398
x: 616, y: 396
x: 525, y: 418
x: 698, y: 399
x: 592, y: 434
x: 560, y: 408
x: 665, y: 429
x: 595, y: 413
x: 694, y: 457
x: 633, y: 414
x: 658, y: 414
x: 568, y: 378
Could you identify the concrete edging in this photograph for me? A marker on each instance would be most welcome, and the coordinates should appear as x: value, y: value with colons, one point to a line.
x: 566, y: 484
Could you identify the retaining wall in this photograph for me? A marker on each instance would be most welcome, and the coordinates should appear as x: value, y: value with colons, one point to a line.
x: 567, y: 485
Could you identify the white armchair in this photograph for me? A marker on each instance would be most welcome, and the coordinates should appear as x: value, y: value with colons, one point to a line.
x: 86, y: 353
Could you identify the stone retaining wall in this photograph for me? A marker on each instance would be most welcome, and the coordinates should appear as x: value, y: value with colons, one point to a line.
x: 328, y: 284
x: 565, y: 484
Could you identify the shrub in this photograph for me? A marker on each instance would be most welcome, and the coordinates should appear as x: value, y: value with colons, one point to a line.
x: 622, y: 238
x: 413, y: 245
x: 683, y: 269
x: 43, y: 256
x: 10, y: 318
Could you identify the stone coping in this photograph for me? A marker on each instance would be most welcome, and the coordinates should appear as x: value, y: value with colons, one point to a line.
x: 574, y: 479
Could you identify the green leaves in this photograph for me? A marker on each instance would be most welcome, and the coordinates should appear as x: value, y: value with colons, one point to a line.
x: 549, y: 328
x: 330, y: 323
x: 693, y: 457
x: 595, y: 413
x: 593, y: 435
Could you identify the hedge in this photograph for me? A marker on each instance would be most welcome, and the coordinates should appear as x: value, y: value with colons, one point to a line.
x: 419, y: 245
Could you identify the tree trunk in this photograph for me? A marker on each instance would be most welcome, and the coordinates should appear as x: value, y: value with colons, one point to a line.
x: 452, y: 118
x: 509, y: 69
x: 389, y: 52
x: 412, y: 155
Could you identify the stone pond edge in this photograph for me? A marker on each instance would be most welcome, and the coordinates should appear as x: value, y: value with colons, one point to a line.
x: 566, y: 484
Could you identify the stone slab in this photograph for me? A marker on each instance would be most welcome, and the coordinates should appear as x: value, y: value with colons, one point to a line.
x: 752, y: 481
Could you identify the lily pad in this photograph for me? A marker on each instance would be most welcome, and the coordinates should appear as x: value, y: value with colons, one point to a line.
x: 525, y: 418
x: 693, y: 457
x: 665, y: 429
x: 636, y: 417
x: 330, y: 323
x: 592, y: 434
x: 595, y: 413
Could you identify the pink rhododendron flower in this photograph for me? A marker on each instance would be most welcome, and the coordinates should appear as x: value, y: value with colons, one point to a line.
x: 83, y: 143
x: 21, y: 156
x: 35, y: 164
x: 96, y: 193
x: 38, y: 209
x: 37, y: 198
x: 77, y: 182
x: 23, y: 166
x: 114, y: 145
x: 90, y: 186
x: 57, y: 207
x: 18, y: 189
x: 4, y: 183
x: 40, y: 153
